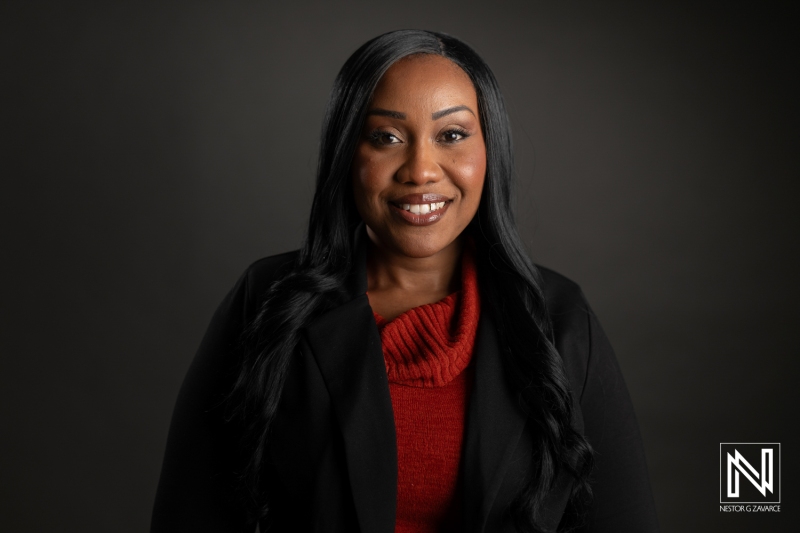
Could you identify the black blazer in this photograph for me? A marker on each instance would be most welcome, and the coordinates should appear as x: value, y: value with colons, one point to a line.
x: 333, y: 456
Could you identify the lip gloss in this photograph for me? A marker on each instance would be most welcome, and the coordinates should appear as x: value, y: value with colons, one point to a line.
x: 421, y: 209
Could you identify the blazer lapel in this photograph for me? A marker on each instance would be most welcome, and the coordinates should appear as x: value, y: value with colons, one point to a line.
x: 495, y: 440
x: 347, y: 347
x: 494, y: 427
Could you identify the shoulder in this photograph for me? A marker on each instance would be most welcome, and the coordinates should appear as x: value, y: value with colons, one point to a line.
x: 262, y: 273
x: 563, y: 296
x: 572, y: 321
x: 259, y: 277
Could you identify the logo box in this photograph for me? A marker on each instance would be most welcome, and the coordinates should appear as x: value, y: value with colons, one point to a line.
x: 749, y: 472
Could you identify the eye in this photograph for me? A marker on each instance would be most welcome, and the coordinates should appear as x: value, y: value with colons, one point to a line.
x: 381, y: 138
x: 453, y: 135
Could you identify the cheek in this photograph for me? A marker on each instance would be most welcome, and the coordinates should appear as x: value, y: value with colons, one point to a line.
x: 363, y: 178
x: 369, y: 182
x: 367, y: 172
x: 472, y: 173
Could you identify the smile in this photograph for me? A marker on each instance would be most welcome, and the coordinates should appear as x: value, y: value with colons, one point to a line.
x: 415, y: 213
x: 422, y: 209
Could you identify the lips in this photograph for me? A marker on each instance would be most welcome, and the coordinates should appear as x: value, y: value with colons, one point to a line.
x: 420, y: 209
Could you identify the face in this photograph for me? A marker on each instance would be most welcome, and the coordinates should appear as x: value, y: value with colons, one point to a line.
x: 420, y: 164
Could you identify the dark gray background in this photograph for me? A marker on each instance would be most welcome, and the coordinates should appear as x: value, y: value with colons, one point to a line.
x: 150, y: 152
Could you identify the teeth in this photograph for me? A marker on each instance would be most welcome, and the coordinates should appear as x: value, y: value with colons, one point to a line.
x: 423, y: 209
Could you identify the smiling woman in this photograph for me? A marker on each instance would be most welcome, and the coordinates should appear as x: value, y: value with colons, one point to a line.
x: 409, y: 369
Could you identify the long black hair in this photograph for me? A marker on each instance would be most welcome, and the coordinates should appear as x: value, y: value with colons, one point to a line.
x: 508, y: 280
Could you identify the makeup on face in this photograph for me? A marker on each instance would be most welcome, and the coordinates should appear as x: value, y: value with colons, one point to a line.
x: 419, y: 168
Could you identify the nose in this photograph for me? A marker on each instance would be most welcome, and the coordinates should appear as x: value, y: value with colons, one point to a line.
x: 420, y: 165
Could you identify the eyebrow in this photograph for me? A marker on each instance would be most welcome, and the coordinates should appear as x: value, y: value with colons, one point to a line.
x: 402, y: 116
x: 449, y: 111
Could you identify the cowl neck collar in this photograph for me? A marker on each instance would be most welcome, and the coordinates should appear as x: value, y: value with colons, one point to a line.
x: 430, y: 345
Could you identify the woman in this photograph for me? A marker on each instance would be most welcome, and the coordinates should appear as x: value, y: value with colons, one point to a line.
x: 409, y: 369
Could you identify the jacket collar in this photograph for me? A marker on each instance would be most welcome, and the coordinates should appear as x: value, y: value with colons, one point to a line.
x: 347, y: 348
x: 494, y: 428
x: 494, y: 452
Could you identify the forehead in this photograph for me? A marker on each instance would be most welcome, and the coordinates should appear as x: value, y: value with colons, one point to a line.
x: 424, y: 83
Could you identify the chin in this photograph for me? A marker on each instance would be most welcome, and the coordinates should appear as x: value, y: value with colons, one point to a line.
x: 417, y: 243
x: 424, y: 247
x: 418, y: 252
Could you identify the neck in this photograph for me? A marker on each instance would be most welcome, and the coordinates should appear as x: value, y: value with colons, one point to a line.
x: 397, y: 283
x: 438, y: 273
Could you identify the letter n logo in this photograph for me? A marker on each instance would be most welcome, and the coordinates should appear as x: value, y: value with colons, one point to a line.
x: 750, y: 472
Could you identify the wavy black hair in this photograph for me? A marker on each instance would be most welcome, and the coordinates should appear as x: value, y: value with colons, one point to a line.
x: 509, y: 282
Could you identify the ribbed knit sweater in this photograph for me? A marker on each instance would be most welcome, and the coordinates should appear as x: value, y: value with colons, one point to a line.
x: 427, y: 351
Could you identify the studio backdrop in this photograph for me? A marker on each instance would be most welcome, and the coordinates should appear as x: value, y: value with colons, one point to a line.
x: 152, y: 151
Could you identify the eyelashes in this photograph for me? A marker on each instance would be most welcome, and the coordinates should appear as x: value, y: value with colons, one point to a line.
x: 455, y: 134
x: 449, y: 136
x: 381, y: 138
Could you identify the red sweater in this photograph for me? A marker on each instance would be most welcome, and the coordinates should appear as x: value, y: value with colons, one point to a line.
x: 427, y: 351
